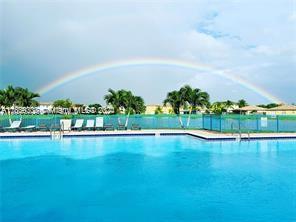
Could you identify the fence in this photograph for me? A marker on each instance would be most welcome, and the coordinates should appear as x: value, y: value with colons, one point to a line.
x: 145, y: 121
x: 221, y: 123
x: 249, y: 123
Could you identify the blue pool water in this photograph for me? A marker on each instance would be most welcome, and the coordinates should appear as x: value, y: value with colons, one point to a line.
x: 167, y: 178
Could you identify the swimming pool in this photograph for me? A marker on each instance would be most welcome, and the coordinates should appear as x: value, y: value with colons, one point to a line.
x: 165, y: 178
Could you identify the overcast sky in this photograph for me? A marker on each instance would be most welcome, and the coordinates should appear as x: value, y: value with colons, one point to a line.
x: 256, y: 40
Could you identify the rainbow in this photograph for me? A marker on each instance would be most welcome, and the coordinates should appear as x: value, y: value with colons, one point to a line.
x: 71, y: 76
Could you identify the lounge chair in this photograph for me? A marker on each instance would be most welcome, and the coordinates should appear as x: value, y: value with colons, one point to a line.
x: 108, y: 127
x: 29, y: 128
x: 78, y: 124
x: 90, y: 124
x: 135, y: 127
x: 99, y: 123
x: 15, y: 125
x: 42, y: 127
x: 1, y: 128
x: 55, y: 127
x: 65, y: 124
x: 121, y: 127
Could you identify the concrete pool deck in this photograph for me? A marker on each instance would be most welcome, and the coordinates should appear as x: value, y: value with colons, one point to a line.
x: 202, y: 134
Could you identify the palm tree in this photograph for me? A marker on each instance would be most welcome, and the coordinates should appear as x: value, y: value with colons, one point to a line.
x: 195, y: 98
x: 2, y: 102
x: 175, y: 99
x: 218, y: 107
x: 242, y: 103
x: 113, y: 99
x: 126, y: 102
x: 18, y: 97
x: 11, y: 97
x: 8, y: 96
x: 229, y: 103
x: 124, y: 99
x: 64, y: 103
x: 25, y: 98
x: 131, y: 104
x: 138, y: 105
x: 2, y: 96
x: 9, y: 100
x: 158, y: 110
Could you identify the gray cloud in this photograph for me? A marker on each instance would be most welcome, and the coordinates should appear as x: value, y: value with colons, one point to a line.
x: 42, y: 40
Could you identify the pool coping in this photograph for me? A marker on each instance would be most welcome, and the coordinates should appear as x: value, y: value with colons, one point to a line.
x: 200, y: 134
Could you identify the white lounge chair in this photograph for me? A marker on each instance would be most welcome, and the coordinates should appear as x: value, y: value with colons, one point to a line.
x: 90, y: 124
x: 100, y: 123
x: 65, y: 125
x: 29, y: 128
x: 78, y: 124
x: 15, y: 125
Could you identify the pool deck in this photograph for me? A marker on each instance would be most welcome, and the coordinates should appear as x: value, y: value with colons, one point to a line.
x: 202, y: 134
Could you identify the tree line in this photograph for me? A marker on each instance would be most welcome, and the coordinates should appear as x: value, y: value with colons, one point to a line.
x: 186, y: 98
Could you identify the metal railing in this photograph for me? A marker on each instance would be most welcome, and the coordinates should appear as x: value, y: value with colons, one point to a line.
x: 221, y: 123
x: 249, y: 123
x: 56, y: 133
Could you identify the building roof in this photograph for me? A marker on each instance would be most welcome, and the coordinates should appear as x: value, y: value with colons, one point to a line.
x: 284, y: 107
x: 45, y: 103
x: 251, y: 108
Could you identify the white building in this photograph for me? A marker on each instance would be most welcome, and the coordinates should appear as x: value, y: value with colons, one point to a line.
x: 45, y: 107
